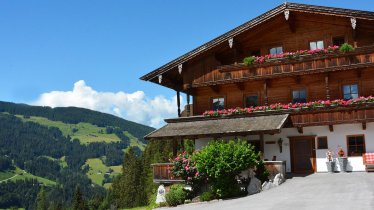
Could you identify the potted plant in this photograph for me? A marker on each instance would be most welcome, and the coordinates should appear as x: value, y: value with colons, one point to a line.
x: 330, y: 162
x: 342, y: 159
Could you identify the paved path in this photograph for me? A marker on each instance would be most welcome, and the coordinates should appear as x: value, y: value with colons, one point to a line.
x: 348, y: 191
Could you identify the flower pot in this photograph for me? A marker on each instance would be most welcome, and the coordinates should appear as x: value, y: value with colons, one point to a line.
x: 343, y: 161
x: 330, y: 166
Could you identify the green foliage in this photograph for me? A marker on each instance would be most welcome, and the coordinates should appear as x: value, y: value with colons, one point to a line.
x: 346, y: 48
x: 127, y: 189
x: 41, y: 202
x: 249, y: 60
x: 206, y: 196
x: 6, y: 163
x: 176, y: 196
x: 189, y: 146
x: 184, y: 168
x: 221, y: 162
x: 78, y: 201
x: 261, y: 173
x: 74, y: 115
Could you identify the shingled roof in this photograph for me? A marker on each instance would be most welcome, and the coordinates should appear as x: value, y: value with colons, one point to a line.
x: 358, y: 14
x: 220, y: 126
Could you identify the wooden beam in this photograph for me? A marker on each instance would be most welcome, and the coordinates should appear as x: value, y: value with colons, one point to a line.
x: 327, y: 87
x: 300, y: 129
x: 266, y: 92
x: 179, y: 104
x: 175, y: 147
x: 188, y: 105
x: 331, y: 128
x: 363, y: 125
x: 262, y: 143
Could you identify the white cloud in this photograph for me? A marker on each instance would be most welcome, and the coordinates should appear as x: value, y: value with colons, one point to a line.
x: 135, y: 106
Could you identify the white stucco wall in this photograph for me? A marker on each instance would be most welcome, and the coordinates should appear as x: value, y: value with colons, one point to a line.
x: 335, y: 139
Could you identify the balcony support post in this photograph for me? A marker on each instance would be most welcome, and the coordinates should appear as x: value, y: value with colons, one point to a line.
x: 327, y: 87
x: 179, y: 103
x: 266, y: 92
x: 188, y: 105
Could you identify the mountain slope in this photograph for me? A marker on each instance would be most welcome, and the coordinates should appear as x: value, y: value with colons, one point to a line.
x: 74, y: 115
x: 62, y: 148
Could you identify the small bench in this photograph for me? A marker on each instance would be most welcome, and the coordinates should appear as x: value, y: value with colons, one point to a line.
x: 368, y: 159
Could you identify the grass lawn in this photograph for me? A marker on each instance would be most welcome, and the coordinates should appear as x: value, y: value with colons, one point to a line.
x: 6, y: 174
x: 85, y: 132
x: 134, y: 141
x: 24, y: 175
x: 98, y: 170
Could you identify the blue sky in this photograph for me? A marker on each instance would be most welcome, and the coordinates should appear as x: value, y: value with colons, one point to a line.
x: 48, y: 46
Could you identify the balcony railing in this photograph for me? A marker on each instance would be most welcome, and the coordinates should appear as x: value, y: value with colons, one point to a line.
x: 161, y: 173
x: 308, y: 64
x: 354, y: 114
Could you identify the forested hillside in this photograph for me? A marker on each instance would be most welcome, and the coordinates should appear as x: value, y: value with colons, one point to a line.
x: 62, y: 149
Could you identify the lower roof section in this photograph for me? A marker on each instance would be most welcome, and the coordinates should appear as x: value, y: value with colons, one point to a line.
x: 220, y: 127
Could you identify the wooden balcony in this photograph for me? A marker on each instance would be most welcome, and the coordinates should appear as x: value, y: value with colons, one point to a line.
x: 309, y: 64
x: 161, y: 173
x: 332, y: 116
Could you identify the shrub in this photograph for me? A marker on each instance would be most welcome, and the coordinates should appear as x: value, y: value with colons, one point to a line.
x: 176, y: 195
x: 221, y: 162
x: 206, y: 196
x: 249, y: 60
x: 185, y: 168
x: 346, y: 48
x: 261, y: 173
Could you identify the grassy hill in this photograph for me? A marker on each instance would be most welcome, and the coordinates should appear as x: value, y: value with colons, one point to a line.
x: 63, y: 147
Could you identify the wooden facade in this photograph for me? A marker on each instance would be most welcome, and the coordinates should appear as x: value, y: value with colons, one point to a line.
x: 215, y: 71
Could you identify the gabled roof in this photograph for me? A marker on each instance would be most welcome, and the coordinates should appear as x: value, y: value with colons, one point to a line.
x: 332, y: 11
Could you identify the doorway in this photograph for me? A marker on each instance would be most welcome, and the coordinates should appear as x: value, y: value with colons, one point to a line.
x: 303, y: 154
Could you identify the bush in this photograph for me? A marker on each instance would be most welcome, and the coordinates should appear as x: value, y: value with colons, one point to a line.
x: 206, y: 196
x: 249, y: 60
x: 176, y: 195
x: 184, y: 168
x: 221, y: 162
x: 261, y: 173
x: 346, y: 48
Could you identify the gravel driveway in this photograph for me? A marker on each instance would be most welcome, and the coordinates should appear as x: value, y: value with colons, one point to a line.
x: 317, y: 191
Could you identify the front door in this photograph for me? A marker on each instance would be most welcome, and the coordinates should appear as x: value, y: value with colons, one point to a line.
x: 303, y: 154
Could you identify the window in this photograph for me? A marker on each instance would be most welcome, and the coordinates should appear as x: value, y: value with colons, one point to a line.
x: 338, y: 41
x: 350, y: 91
x: 251, y: 100
x: 322, y: 142
x: 356, y: 145
x: 218, y: 103
x: 276, y: 50
x: 299, y: 96
x: 316, y: 45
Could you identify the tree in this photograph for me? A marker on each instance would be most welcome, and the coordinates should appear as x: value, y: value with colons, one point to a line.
x: 78, y: 200
x: 127, y: 189
x: 41, y: 202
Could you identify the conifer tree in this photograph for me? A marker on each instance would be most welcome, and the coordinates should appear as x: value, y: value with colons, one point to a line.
x: 78, y: 200
x: 41, y: 202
